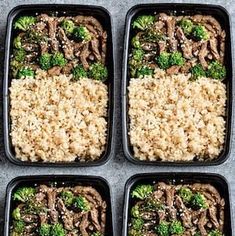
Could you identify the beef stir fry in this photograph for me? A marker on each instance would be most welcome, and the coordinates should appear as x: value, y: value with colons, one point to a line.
x: 167, y: 209
x: 59, y: 45
x: 178, y: 44
x: 64, y: 211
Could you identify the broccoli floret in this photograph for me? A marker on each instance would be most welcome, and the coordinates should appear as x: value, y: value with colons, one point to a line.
x: 197, y: 234
x: 68, y: 26
x: 154, y: 36
x: 163, y: 60
x: 215, y: 233
x: 79, y: 72
x: 22, y: 73
x: 137, y: 224
x: 176, y: 227
x: 216, y: 71
x: 16, y: 214
x: 45, y: 61
x: 153, y: 204
x: 199, y: 201
x: 143, y: 22
x: 142, y: 191
x: 19, y: 54
x: 98, y: 71
x: 17, y: 42
x: 67, y: 197
x: 135, y: 42
x: 133, y: 232
x: 163, y: 229
x: 18, y: 226
x: 15, y: 67
x: 82, y: 33
x: 143, y: 71
x: 58, y: 59
x: 200, y: 32
x: 186, y: 25
x: 24, y: 22
x: 138, y: 54
x: 135, y: 211
x: 176, y: 58
x: 134, y: 65
x: 186, y: 194
x: 81, y: 203
x: 24, y: 194
x: 97, y: 234
x: 57, y: 230
x: 197, y: 71
x: 44, y: 230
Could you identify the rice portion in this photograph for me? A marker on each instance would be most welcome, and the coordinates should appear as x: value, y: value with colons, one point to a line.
x: 174, y: 119
x: 54, y: 119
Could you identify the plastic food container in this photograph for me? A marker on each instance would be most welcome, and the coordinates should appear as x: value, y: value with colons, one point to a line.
x: 63, y: 10
x: 179, y: 9
x: 219, y: 182
x: 61, y: 180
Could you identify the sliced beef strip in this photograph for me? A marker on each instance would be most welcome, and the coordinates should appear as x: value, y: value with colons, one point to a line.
x: 84, y: 224
x: 43, y: 18
x: 84, y: 56
x: 149, y: 46
x: 103, y: 216
x: 222, y: 45
x: 170, y: 194
x: 67, y: 69
x: 95, y: 48
x: 213, y: 215
x: 170, y: 22
x: 43, y: 218
x: 173, y: 70
x: 148, y: 215
x: 30, y: 47
x: 54, y: 71
x: 95, y: 218
x: 29, y: 218
x: 202, y: 55
x: 52, y: 26
x: 221, y: 214
x: 51, y: 195
x: 202, y: 222
x: 104, y: 47
x: 161, y: 46
x: 213, y: 48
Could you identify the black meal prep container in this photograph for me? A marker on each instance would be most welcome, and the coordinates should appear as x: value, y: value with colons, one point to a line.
x: 216, y: 180
x: 61, y: 9
x: 223, y: 17
x: 97, y: 182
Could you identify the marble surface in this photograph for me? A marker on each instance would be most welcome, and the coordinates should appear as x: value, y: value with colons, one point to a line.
x: 118, y: 169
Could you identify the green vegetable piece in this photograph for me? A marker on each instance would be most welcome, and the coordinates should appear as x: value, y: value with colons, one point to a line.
x: 79, y: 72
x: 153, y: 204
x: 133, y: 232
x: 57, y: 230
x: 81, y: 203
x: 45, y: 61
x: 98, y: 71
x: 25, y: 72
x: 16, y: 214
x: 58, y: 59
x: 67, y: 197
x: 82, y: 33
x: 176, y: 58
x: 215, y: 233
x: 216, y: 71
x: 19, y: 54
x: 18, y: 226
x: 163, y: 229
x: 199, y: 201
x: 17, y: 42
x: 143, y: 71
x: 135, y: 212
x: 143, y: 22
x: 186, y: 25
x: 24, y: 194
x: 96, y: 234
x: 186, y: 194
x: 135, y: 42
x: 44, y: 230
x: 137, y: 224
x: 138, y: 54
x: 197, y: 234
x: 200, y: 32
x: 154, y: 36
x: 24, y: 22
x: 68, y: 26
x: 176, y: 227
x: 197, y: 71
x: 163, y: 60
x: 142, y: 191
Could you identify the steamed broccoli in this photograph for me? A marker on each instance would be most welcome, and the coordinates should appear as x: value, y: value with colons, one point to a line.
x: 18, y: 226
x: 44, y: 230
x: 153, y: 204
x: 68, y: 26
x: 25, y: 193
x: 17, y: 42
x: 199, y: 201
x: 16, y: 214
x: 162, y: 229
x: 81, y: 203
x: 25, y: 72
x: 79, y: 72
x: 135, y: 42
x: 186, y: 25
x: 143, y: 22
x: 138, y: 54
x: 19, y: 54
x: 67, y: 197
x: 215, y: 233
x: 142, y: 191
x: 186, y: 194
x: 197, y: 71
x: 96, y: 234
x: 134, y: 65
x: 133, y: 232
x: 45, y: 61
x: 143, y: 71
x: 200, y: 32
x: 82, y: 33
x: 57, y: 230
x: 216, y: 70
x: 58, y: 59
x: 176, y: 58
x: 176, y: 227
x: 98, y: 71
x: 135, y: 212
x: 163, y: 60
x: 154, y: 36
x: 137, y: 224
x: 24, y: 22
